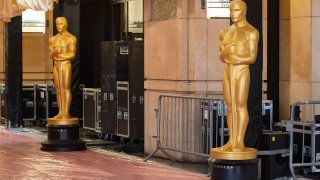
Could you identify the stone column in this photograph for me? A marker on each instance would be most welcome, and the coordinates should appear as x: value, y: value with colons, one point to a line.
x: 298, y: 53
x: 315, y: 42
x: 181, y: 55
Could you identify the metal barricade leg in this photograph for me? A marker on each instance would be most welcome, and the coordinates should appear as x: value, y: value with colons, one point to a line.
x: 155, y: 151
x: 167, y: 154
x: 150, y: 155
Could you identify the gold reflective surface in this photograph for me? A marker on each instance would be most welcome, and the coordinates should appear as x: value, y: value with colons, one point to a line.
x: 245, y: 154
x: 70, y: 121
x: 62, y: 51
x: 238, y: 49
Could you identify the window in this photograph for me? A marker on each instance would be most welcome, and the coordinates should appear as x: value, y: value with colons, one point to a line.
x: 33, y: 21
x: 135, y: 16
x: 218, y: 9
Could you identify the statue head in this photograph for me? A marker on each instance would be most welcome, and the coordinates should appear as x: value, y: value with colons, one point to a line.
x: 62, y: 24
x: 238, y: 10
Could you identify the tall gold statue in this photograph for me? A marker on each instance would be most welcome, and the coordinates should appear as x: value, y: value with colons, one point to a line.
x: 238, y: 49
x: 62, y: 51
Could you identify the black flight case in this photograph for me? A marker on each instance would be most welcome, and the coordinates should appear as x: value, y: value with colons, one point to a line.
x: 29, y: 103
x: 47, y: 102
x: 274, y: 154
x: 92, y: 109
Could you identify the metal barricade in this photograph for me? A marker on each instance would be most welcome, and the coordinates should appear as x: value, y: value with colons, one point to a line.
x: 304, y: 151
x: 185, y: 124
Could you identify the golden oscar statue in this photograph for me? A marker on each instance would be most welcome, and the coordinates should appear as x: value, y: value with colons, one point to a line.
x: 62, y: 51
x: 63, y: 130
x: 238, y: 49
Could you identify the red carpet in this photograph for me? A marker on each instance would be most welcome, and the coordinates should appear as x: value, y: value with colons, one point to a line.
x: 21, y: 158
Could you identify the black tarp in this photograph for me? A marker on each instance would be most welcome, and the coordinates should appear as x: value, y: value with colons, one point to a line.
x: 99, y: 22
x: 89, y: 21
x: 254, y: 129
x: 92, y: 26
x: 273, y: 56
x: 13, y: 71
x: 94, y: 30
x: 71, y: 10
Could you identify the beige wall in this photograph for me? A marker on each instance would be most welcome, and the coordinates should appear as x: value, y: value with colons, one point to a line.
x: 37, y: 67
x: 299, y: 52
x: 34, y: 58
x: 315, y: 55
x: 177, y: 49
x: 285, y: 49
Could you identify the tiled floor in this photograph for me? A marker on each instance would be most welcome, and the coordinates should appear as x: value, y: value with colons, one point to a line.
x: 21, y: 158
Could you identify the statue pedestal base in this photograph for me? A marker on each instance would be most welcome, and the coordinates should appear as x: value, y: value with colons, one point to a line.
x: 63, y: 135
x: 235, y: 170
x: 245, y: 154
x: 235, y: 165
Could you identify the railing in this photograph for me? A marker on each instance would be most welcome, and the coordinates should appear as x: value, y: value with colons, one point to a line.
x: 301, y: 132
x: 184, y: 124
x: 193, y: 125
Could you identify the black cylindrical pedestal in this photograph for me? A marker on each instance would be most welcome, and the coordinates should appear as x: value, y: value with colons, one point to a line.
x: 235, y: 170
x: 63, y: 138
